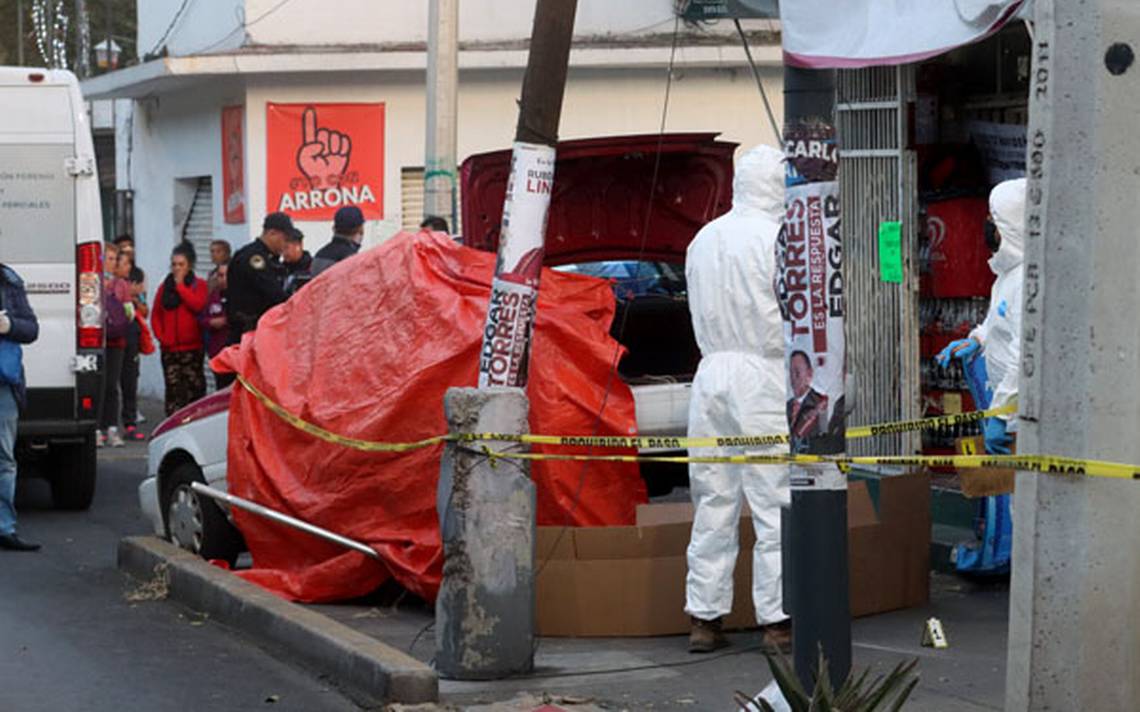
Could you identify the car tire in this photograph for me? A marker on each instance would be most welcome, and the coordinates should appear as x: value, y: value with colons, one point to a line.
x: 195, y: 522
x: 73, y: 471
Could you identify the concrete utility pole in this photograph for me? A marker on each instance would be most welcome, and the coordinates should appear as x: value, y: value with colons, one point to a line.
x: 82, y: 40
x: 1074, y: 637
x: 810, y: 291
x: 485, y: 609
x: 442, y: 104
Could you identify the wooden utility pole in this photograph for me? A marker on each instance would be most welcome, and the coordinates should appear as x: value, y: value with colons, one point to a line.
x: 442, y: 105
x: 485, y: 608
x: 510, y: 316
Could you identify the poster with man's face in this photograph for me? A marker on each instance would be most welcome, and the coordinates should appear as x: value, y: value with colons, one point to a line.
x: 321, y: 157
x: 810, y: 292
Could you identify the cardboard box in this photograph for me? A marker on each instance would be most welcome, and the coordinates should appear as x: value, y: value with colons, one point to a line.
x: 977, y: 482
x: 630, y: 581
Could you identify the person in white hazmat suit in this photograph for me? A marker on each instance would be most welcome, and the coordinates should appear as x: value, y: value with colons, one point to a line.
x: 739, y: 389
x: 999, y: 336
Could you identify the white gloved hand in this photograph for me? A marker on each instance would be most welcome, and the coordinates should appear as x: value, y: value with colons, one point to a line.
x: 5, y: 322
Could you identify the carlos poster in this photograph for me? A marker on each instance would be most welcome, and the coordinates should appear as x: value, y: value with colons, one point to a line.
x: 810, y: 292
x: 325, y: 156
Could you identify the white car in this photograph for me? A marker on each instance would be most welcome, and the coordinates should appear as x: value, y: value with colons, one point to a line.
x: 190, y: 446
x: 652, y: 320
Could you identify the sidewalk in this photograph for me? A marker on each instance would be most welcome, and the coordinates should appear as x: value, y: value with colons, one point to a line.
x: 658, y: 673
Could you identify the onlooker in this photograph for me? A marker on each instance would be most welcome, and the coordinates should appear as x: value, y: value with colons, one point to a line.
x: 434, y: 223
x: 179, y: 300
x: 220, y: 253
x: 214, y: 323
x: 297, y: 262
x: 348, y: 232
x: 18, y: 325
x: 129, y: 382
x: 126, y: 245
x: 255, y: 282
x: 118, y: 313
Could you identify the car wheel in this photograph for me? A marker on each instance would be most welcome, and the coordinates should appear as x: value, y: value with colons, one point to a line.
x: 195, y: 522
x: 72, y: 479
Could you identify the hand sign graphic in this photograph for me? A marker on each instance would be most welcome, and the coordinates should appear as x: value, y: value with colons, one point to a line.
x: 323, y: 155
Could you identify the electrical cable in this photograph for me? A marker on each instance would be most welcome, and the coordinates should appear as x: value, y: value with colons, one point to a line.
x: 759, y: 83
x: 169, y: 28
x: 242, y: 27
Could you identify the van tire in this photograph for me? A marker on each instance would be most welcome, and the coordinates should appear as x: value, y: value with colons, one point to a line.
x: 203, y: 528
x: 73, y: 474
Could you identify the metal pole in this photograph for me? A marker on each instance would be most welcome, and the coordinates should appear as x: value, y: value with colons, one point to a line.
x: 442, y: 106
x: 255, y: 508
x: 811, y: 295
x: 1074, y: 632
x: 20, y: 32
x: 505, y: 353
x: 82, y: 40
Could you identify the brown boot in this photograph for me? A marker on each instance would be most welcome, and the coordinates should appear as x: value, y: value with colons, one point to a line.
x: 777, y: 636
x: 706, y: 636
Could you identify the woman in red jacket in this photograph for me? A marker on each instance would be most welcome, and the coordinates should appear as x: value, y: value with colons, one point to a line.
x: 180, y: 299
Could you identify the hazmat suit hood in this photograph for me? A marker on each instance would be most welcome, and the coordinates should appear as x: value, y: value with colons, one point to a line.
x: 758, y: 184
x: 1007, y: 206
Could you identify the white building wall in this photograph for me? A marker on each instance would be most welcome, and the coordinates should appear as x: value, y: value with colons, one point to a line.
x: 172, y: 137
x: 598, y: 102
x: 205, y: 25
x: 220, y: 25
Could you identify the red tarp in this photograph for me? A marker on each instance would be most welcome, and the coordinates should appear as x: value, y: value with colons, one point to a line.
x: 367, y: 350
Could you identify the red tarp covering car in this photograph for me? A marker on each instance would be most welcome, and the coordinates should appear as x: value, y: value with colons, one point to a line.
x: 367, y: 350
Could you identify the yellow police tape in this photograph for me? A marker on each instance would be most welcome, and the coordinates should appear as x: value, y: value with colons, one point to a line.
x: 1035, y: 463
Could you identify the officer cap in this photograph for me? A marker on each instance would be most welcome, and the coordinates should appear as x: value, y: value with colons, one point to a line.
x: 282, y: 222
x: 348, y: 218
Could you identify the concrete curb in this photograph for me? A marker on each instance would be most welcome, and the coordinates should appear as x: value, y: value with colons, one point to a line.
x: 357, y: 661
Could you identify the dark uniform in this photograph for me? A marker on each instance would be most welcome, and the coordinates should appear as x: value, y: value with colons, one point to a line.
x: 256, y: 284
x: 297, y: 274
x: 339, y: 248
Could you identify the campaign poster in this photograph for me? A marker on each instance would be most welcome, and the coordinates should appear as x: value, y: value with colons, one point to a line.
x: 233, y: 165
x: 811, y: 297
x: 514, y: 290
x: 321, y: 157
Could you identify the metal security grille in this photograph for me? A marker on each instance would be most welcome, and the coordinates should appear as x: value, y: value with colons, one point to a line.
x: 878, y: 183
x: 199, y: 227
x: 412, y: 200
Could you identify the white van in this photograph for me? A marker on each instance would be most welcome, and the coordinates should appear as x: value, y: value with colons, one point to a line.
x: 51, y: 234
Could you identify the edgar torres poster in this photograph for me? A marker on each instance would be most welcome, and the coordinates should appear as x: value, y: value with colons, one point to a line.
x: 325, y: 156
x: 810, y: 292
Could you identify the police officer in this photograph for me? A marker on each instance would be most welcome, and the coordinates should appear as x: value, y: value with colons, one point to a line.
x: 256, y: 277
x: 297, y: 263
x: 348, y: 233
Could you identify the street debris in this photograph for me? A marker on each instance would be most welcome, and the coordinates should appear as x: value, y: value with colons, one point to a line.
x: 156, y: 589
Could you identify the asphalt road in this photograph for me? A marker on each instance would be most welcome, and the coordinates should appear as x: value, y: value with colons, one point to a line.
x: 70, y: 639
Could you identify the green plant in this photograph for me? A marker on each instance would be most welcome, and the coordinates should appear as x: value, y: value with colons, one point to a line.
x: 887, y: 692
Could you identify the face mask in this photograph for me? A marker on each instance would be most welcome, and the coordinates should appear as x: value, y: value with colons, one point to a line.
x: 993, y: 239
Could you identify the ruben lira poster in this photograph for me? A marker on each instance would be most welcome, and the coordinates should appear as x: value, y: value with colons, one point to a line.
x: 321, y: 157
x: 810, y: 292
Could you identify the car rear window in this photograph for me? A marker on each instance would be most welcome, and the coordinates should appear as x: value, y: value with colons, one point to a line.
x: 633, y: 279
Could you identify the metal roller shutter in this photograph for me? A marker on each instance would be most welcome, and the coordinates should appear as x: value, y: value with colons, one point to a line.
x: 199, y: 227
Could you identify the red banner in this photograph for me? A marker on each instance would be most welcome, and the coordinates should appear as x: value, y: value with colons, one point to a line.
x: 322, y: 157
x: 233, y: 165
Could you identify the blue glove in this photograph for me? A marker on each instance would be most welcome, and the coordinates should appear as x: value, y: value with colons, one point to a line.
x: 997, y: 439
x: 960, y: 348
